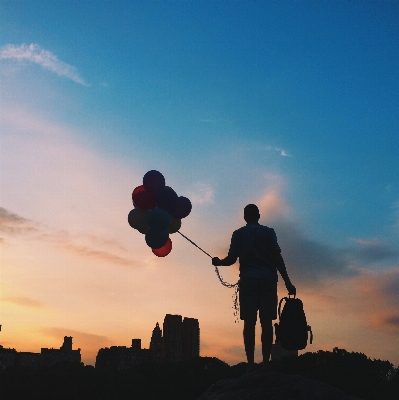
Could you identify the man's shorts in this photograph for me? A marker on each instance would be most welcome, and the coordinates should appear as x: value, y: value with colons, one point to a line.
x: 258, y: 294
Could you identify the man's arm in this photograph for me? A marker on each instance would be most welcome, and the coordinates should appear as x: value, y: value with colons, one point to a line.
x: 280, y: 265
x: 229, y: 260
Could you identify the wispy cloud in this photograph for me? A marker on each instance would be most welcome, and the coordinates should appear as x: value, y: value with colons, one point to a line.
x: 46, y: 59
x: 310, y: 260
x: 89, y: 252
x: 201, y: 193
x: 380, y: 297
x: 87, y: 246
x: 23, y: 301
x: 59, y: 333
x: 282, y: 152
x: 15, y: 224
x: 374, y: 250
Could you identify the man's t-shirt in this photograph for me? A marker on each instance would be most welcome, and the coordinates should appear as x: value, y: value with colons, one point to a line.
x: 253, y: 244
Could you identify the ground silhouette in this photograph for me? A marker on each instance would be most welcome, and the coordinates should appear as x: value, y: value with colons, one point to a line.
x: 340, y: 371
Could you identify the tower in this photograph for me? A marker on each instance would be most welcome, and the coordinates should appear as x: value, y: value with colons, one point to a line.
x: 67, y: 345
x: 156, y: 342
x: 191, y: 338
x: 172, y: 338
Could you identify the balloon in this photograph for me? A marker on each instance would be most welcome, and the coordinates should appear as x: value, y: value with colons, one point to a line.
x: 137, y: 219
x: 154, y: 181
x: 156, y: 239
x: 158, y: 219
x: 175, y: 225
x: 143, y: 198
x: 164, y: 250
x: 183, y: 207
x: 167, y: 199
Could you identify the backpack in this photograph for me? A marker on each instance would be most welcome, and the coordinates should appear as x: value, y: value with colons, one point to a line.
x: 292, y: 331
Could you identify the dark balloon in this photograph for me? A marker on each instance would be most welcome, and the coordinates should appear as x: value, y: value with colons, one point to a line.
x: 167, y: 199
x: 154, y: 181
x: 175, y: 225
x: 158, y: 219
x: 183, y: 207
x: 137, y: 219
x: 156, y: 239
x: 144, y: 198
x: 164, y: 250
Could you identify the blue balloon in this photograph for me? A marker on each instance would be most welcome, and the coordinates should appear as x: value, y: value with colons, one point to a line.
x: 183, y: 207
x: 156, y: 239
x: 154, y: 181
x: 167, y: 199
x: 158, y: 219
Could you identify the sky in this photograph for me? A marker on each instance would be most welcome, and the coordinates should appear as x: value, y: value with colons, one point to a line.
x: 291, y: 105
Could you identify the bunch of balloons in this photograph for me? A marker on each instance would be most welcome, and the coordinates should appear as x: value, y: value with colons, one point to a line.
x: 157, y: 212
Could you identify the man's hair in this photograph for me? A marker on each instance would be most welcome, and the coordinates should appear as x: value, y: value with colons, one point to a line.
x: 251, y: 212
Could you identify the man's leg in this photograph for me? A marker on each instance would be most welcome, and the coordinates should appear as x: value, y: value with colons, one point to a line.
x: 249, y: 340
x: 267, y: 340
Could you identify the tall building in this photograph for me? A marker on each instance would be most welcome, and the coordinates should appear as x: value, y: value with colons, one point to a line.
x: 156, y: 342
x: 191, y: 338
x: 172, y: 338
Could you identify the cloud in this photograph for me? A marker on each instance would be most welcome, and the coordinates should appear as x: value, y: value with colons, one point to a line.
x: 23, y: 301
x: 59, y: 333
x: 377, y: 295
x: 393, y: 321
x: 98, y: 248
x: 90, y: 252
x: 35, y: 54
x: 309, y: 260
x: 374, y: 250
x: 282, y: 152
x: 272, y: 206
x: 201, y: 193
x: 15, y: 224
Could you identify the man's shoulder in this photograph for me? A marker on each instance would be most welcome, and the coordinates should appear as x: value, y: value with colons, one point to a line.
x: 257, y: 226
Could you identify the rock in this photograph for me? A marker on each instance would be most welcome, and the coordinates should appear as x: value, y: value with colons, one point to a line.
x: 271, y: 385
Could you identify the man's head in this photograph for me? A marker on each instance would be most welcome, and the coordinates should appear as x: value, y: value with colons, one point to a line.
x: 251, y: 213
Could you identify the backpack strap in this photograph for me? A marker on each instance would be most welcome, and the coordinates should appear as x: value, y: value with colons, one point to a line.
x: 311, y: 334
x: 279, y: 306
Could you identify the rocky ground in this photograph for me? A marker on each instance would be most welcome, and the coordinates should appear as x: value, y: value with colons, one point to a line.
x: 262, y: 385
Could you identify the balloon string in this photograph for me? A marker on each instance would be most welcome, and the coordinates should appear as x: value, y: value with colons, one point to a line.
x: 185, y: 237
x: 229, y: 285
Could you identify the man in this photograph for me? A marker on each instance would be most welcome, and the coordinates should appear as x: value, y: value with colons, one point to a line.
x: 260, y: 258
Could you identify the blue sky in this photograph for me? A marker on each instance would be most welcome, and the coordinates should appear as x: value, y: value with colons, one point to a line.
x: 292, y: 105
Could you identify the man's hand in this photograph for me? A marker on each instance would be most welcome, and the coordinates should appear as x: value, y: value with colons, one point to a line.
x: 216, y: 262
x: 291, y: 288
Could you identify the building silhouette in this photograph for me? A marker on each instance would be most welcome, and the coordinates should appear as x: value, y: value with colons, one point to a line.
x: 156, y: 343
x: 181, y: 338
x: 172, y: 338
x: 180, y: 341
x: 121, y: 357
x: 191, y: 338
x: 46, y: 357
x: 7, y: 357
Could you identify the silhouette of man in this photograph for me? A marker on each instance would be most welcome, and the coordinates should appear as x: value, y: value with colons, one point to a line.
x: 260, y: 258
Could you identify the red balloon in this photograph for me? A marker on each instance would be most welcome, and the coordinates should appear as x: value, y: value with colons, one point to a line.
x: 164, y: 250
x: 144, y: 198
